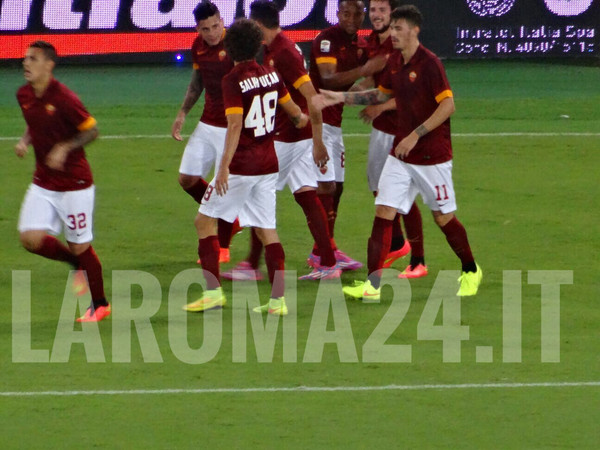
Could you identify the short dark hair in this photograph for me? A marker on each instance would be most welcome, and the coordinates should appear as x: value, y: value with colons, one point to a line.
x: 393, y: 3
x: 205, y: 10
x: 47, y: 48
x: 243, y: 40
x: 266, y: 13
x: 350, y: 1
x: 410, y: 13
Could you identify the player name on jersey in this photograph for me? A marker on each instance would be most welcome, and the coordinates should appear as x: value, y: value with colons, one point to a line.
x: 255, y: 82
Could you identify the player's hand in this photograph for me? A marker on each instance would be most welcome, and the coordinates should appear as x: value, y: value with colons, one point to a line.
x: 178, y: 126
x: 221, y: 180
x: 320, y: 155
x: 406, y: 145
x: 370, y: 113
x: 21, y: 149
x: 57, y: 157
x: 327, y: 98
x: 374, y: 65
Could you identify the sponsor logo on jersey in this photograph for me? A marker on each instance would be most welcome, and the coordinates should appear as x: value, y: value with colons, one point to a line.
x: 412, y: 76
x: 51, y: 109
x: 325, y: 46
x: 222, y: 55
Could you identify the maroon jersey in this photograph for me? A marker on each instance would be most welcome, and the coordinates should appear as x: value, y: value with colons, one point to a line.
x: 56, y: 117
x: 254, y: 91
x: 419, y: 86
x: 333, y: 45
x: 213, y: 63
x: 386, y: 121
x: 286, y: 57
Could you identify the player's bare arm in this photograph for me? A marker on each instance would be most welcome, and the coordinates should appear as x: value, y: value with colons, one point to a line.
x: 58, y: 154
x: 22, y: 146
x: 316, y: 120
x: 371, y: 112
x: 444, y: 110
x: 192, y: 95
x: 232, y: 139
x: 363, y: 84
x: 369, y: 97
x: 295, y: 114
x: 332, y: 79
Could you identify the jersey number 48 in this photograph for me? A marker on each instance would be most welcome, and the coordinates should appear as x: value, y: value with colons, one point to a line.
x: 261, y: 116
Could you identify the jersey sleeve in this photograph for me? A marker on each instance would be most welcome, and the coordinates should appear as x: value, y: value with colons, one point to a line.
x: 232, y: 96
x: 324, y: 50
x: 385, y: 80
x: 283, y: 95
x: 438, y: 81
x: 292, y: 69
x: 75, y: 113
x: 195, y: 50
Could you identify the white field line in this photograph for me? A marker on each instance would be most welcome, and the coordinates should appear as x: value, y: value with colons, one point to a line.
x: 460, y: 135
x: 391, y: 387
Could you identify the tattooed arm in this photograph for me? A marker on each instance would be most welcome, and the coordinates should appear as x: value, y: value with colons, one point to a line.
x: 369, y: 97
x: 192, y: 95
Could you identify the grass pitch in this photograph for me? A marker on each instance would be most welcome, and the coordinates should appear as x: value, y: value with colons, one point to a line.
x: 526, y: 158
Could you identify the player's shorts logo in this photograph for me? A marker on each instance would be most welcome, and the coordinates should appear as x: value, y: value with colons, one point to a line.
x: 325, y: 46
x: 568, y: 7
x: 490, y: 8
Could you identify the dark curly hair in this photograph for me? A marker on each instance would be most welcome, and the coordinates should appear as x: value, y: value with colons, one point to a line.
x: 243, y: 40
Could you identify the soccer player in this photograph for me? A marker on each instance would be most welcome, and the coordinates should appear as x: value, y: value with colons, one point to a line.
x: 421, y: 158
x: 383, y: 118
x: 205, y: 145
x: 299, y: 151
x: 339, y: 58
x: 62, y: 192
x: 245, y: 184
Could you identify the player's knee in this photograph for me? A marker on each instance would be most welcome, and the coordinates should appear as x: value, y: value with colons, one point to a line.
x: 186, y: 181
x: 31, y: 241
x: 326, y: 188
x: 442, y: 219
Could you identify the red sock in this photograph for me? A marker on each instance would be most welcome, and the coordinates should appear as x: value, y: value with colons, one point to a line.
x: 89, y: 262
x: 52, y: 248
x: 414, y: 231
x: 379, y: 243
x: 456, y: 235
x: 317, y: 224
x: 224, y: 230
x: 256, y: 247
x: 275, y: 259
x: 327, y: 203
x: 197, y: 190
x: 397, y: 235
x: 208, y: 251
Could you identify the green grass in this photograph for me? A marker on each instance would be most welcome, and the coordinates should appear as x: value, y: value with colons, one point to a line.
x: 527, y: 202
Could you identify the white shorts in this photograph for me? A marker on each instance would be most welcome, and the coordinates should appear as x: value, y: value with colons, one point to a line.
x: 47, y: 210
x: 334, y: 142
x: 297, y: 167
x: 380, y: 145
x: 204, y: 150
x: 401, y: 182
x: 251, y: 198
